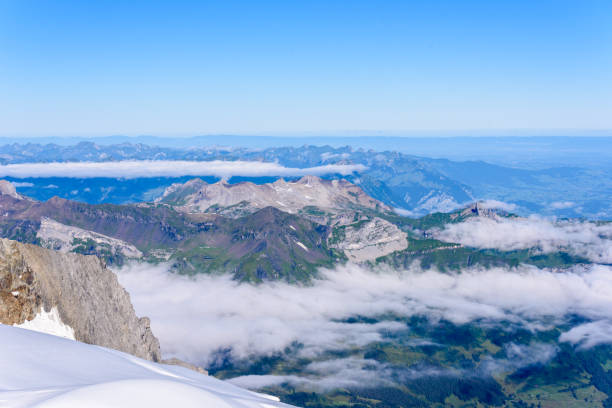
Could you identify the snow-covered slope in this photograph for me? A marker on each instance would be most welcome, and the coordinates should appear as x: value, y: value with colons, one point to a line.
x: 40, y: 370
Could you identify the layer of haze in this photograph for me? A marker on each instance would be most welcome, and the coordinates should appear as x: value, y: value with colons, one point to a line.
x: 187, y: 67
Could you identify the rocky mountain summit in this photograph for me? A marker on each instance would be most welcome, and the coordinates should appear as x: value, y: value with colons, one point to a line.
x: 80, y: 290
x: 7, y: 188
x: 235, y: 200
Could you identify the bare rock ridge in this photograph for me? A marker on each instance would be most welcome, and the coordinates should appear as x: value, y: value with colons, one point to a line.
x: 198, y: 196
x: 86, y: 295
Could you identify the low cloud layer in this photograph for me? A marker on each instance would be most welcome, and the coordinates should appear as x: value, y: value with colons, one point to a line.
x: 195, y: 317
x: 166, y: 168
x: 589, y: 334
x: 586, y: 239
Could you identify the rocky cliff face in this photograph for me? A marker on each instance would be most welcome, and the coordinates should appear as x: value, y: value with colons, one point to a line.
x: 86, y: 295
x: 366, y: 241
x: 68, y: 238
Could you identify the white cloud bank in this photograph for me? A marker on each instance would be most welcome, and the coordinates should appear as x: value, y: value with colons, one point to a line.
x: 167, y: 168
x: 586, y: 239
x: 195, y: 317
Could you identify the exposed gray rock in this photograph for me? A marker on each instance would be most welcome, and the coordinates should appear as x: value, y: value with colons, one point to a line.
x: 85, y: 293
x: 64, y: 238
x: 328, y: 198
x: 371, y: 239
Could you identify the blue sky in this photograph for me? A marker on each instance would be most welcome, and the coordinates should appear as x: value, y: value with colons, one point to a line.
x: 191, y: 68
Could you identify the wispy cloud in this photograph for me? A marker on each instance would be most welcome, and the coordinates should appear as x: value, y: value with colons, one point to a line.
x: 519, y: 355
x: 165, y: 168
x: 587, y: 239
x: 590, y: 334
x: 349, y: 372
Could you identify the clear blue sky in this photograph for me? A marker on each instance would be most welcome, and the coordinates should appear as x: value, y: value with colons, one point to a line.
x: 188, y: 68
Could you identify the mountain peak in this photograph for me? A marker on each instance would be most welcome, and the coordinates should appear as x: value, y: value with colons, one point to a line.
x: 309, y: 191
x: 7, y: 188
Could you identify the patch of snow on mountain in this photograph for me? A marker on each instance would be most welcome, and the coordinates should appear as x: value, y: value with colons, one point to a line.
x: 49, y: 323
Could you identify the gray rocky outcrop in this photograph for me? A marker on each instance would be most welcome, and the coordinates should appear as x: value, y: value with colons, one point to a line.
x: 66, y: 238
x: 369, y: 240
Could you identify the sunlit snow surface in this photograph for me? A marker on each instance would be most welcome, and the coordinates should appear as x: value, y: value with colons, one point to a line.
x: 50, y: 323
x: 40, y: 370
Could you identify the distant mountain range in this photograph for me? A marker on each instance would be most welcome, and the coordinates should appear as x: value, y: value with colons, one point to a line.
x: 413, y: 184
x: 514, y: 148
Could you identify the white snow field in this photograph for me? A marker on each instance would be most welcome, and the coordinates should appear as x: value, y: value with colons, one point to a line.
x: 41, y: 370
